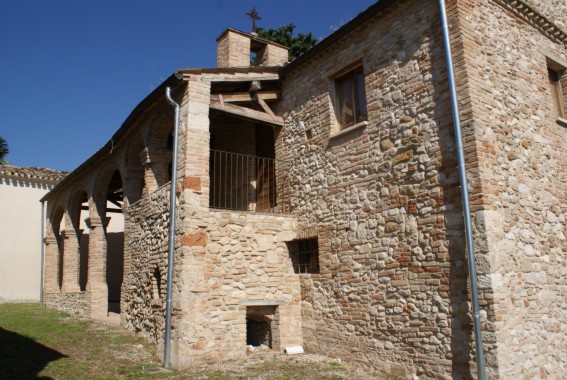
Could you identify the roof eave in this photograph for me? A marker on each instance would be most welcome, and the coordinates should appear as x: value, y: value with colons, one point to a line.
x: 353, y: 24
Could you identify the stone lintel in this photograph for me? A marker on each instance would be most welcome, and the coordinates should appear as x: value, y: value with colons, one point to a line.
x: 262, y: 302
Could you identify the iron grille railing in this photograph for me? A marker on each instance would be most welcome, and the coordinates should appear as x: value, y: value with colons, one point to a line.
x: 247, y: 183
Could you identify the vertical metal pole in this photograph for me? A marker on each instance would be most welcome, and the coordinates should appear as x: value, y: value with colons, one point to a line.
x: 42, y: 236
x: 171, y: 240
x: 464, y: 191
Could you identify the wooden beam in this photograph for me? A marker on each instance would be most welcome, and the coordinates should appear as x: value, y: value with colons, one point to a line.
x: 240, y: 79
x: 245, y: 96
x: 211, y: 77
x: 268, y: 109
x: 268, y: 95
x: 110, y: 210
x: 114, y: 202
x: 246, y: 113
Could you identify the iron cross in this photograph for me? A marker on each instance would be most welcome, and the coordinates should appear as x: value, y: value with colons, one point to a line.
x: 254, y: 16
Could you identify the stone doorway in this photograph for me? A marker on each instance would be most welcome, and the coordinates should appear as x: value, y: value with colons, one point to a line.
x: 262, y: 327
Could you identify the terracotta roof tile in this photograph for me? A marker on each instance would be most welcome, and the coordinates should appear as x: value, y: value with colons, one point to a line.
x: 32, y: 172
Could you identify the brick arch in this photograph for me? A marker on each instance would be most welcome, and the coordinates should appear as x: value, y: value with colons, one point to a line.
x: 134, y: 181
x: 99, y: 194
x: 55, y: 218
x: 54, y: 248
x: 74, y: 205
x: 160, y: 127
x: 79, y: 240
x: 159, y: 148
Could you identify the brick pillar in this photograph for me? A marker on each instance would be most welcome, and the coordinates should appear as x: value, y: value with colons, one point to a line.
x: 189, y: 296
x: 70, y: 243
x: 96, y: 283
x: 50, y: 277
x: 194, y: 144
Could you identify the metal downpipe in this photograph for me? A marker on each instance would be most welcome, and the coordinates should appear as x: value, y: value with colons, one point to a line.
x: 42, y: 236
x: 464, y: 192
x: 171, y: 239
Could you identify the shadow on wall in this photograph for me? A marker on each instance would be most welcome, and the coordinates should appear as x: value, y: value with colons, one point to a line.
x: 22, y: 357
x: 115, y: 265
x: 461, y: 323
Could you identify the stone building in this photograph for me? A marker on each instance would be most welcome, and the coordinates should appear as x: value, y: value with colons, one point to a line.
x: 319, y: 201
x: 20, y: 230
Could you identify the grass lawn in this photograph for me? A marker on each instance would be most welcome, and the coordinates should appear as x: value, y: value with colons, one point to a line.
x: 38, y: 343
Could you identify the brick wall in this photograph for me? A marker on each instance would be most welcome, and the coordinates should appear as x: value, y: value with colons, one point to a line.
x: 233, y: 50
x: 274, y: 55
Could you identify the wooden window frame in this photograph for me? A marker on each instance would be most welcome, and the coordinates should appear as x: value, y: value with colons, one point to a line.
x: 557, y: 82
x: 355, y: 80
x: 557, y: 94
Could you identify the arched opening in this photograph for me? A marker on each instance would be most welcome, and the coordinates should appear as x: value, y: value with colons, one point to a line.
x: 159, y: 148
x: 80, y: 209
x: 134, y: 182
x: 58, y: 228
x: 114, y: 241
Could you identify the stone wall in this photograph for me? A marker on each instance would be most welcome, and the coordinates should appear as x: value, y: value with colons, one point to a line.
x: 144, y: 284
x: 72, y: 303
x: 385, y: 196
x: 521, y: 203
x: 228, y: 262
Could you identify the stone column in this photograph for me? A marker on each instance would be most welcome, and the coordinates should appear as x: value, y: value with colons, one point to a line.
x: 50, y: 278
x: 71, y: 262
x: 96, y: 283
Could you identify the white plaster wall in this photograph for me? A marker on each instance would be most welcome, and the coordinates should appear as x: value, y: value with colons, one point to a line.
x: 20, y: 244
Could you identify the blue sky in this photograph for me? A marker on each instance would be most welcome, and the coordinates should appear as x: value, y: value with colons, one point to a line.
x: 72, y: 70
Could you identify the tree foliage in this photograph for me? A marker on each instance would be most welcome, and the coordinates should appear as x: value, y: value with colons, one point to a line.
x: 284, y: 36
x: 3, y: 151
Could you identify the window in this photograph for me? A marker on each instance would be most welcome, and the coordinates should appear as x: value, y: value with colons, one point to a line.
x: 351, y: 98
x: 555, y: 83
x: 304, y: 255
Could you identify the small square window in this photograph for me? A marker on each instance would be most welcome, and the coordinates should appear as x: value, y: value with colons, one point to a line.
x: 556, y: 87
x: 351, y: 98
x: 304, y: 255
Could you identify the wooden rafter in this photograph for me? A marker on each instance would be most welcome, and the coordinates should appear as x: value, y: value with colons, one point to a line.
x: 268, y: 110
x: 246, y: 113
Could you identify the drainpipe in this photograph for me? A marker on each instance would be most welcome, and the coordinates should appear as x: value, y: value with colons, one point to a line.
x: 42, y: 232
x: 171, y: 243
x: 464, y: 191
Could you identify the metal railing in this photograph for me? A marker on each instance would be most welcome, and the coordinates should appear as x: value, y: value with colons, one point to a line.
x: 246, y: 183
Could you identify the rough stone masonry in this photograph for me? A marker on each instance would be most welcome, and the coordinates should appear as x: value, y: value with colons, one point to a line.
x: 319, y: 202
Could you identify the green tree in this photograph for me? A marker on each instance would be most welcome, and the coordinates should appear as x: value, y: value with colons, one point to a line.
x: 3, y: 151
x: 284, y: 36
